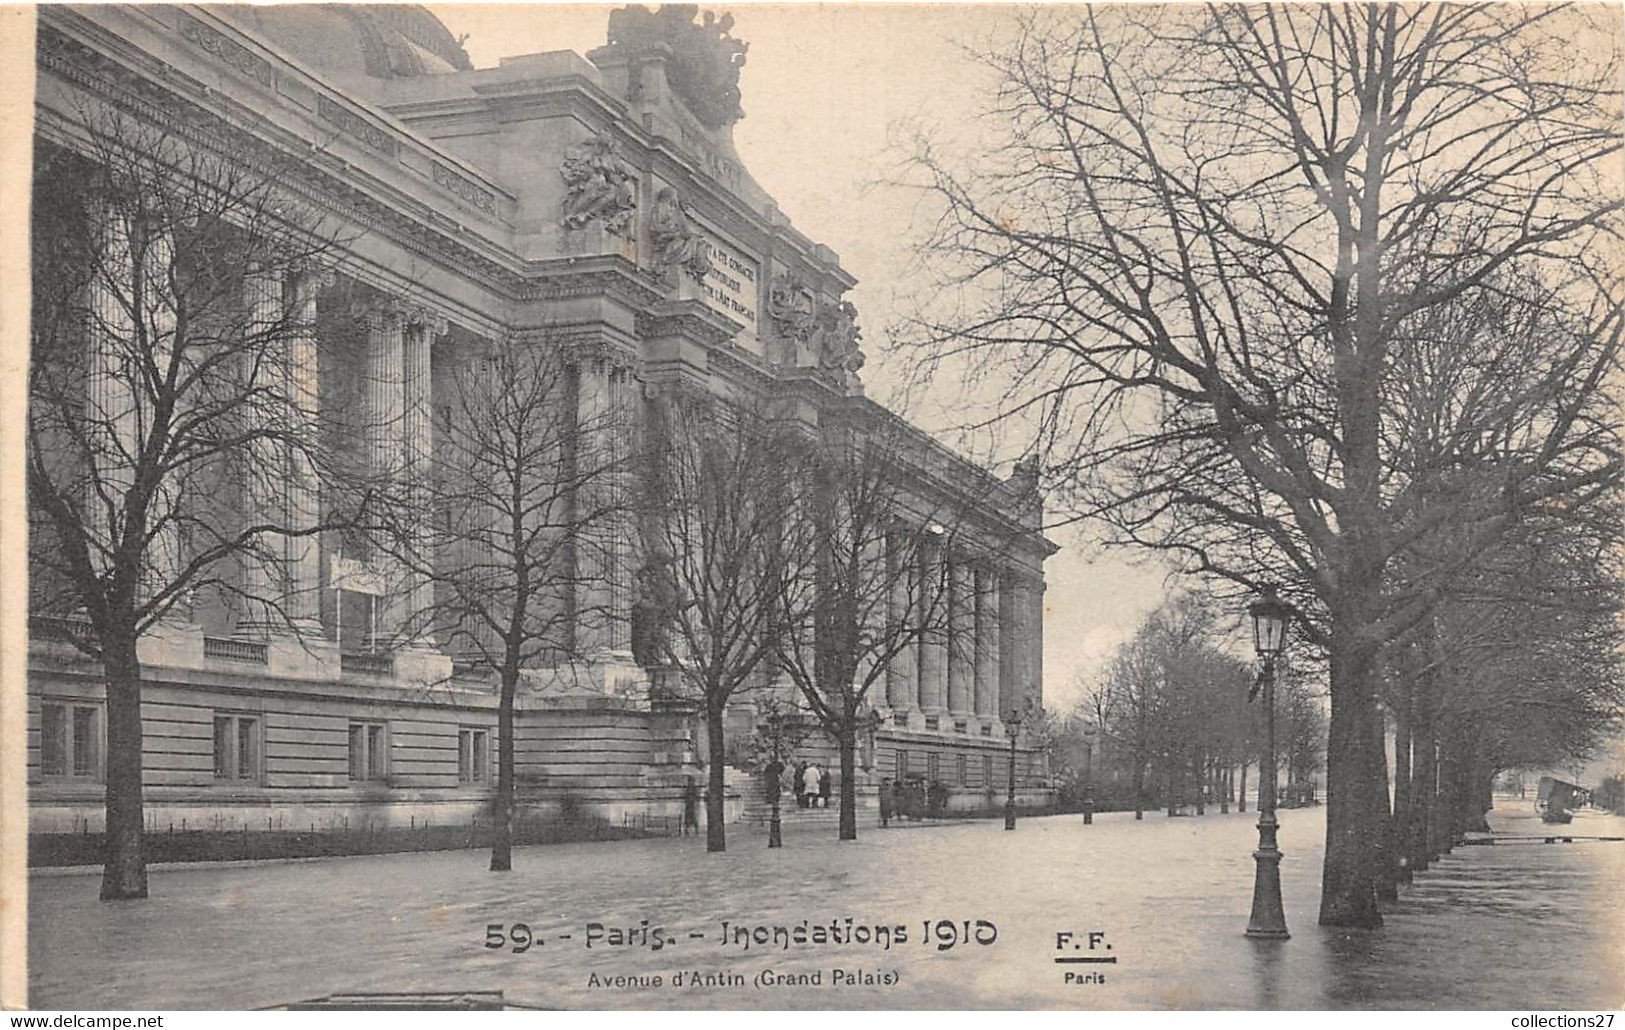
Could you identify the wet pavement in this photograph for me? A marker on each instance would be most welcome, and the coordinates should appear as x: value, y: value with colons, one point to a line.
x: 1503, y: 927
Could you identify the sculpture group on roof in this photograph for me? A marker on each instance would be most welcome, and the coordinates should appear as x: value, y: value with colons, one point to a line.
x: 705, y: 60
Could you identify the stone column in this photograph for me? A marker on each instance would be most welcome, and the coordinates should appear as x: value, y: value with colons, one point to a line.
x: 902, y: 674
x: 598, y: 600
x: 1022, y: 638
x: 961, y: 635
x: 1009, y: 646
x: 265, y: 477
x: 110, y: 416
x: 874, y: 611
x: 933, y: 641
x: 417, y: 437
x: 987, y: 643
x: 302, y: 488
x: 164, y: 551
x: 384, y: 404
x: 617, y: 431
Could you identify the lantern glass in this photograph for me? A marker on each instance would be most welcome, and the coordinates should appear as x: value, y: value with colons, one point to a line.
x: 1269, y: 623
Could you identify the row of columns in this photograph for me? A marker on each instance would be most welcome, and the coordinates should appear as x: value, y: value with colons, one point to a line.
x: 288, y: 568
x: 980, y: 650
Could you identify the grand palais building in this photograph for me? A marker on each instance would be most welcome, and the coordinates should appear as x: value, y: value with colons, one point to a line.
x: 601, y: 192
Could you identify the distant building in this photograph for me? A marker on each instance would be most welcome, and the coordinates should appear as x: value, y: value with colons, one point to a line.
x: 603, y: 192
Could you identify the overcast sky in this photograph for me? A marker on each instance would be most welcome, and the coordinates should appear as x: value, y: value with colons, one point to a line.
x: 827, y: 92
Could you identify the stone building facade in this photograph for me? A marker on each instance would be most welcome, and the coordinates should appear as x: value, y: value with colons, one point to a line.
x: 602, y: 193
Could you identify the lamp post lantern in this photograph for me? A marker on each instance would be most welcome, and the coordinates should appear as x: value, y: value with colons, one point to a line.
x: 1268, y: 921
x: 1012, y: 726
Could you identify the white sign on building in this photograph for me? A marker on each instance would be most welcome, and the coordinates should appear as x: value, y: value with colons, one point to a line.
x: 731, y: 288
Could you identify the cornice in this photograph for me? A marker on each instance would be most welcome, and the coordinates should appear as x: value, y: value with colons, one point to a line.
x: 323, y: 179
x: 689, y: 319
x: 609, y: 275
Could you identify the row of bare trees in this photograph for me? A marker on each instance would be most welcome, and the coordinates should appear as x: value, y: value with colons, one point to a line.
x: 1173, y: 713
x: 1324, y: 296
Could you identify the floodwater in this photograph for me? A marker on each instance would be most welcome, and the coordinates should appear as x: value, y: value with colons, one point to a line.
x: 1502, y: 927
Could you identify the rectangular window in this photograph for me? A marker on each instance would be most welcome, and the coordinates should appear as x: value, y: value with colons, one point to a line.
x: 53, y: 742
x: 932, y: 766
x: 375, y: 752
x: 369, y: 749
x: 473, y: 755
x: 86, y: 749
x: 902, y: 763
x: 236, y: 746
x: 960, y: 769
x: 70, y: 740
x: 987, y: 771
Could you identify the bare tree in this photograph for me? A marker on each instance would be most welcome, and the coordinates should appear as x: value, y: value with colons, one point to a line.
x: 513, y: 525
x: 171, y: 391
x: 721, y: 492
x: 858, y: 587
x: 1196, y: 247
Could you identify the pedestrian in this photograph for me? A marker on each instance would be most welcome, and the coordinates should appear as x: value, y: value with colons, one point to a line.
x: 773, y: 780
x: 691, y: 806
x: 823, y: 788
x: 809, y: 784
x: 800, y: 785
x: 885, y: 802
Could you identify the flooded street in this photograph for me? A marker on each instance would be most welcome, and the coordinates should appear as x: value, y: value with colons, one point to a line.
x: 1488, y: 927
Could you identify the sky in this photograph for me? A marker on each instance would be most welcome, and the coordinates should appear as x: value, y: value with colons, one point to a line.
x: 829, y: 91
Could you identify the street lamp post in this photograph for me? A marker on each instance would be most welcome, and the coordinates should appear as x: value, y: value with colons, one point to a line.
x: 1012, y: 726
x: 775, y: 832
x: 1090, y: 735
x: 1268, y: 921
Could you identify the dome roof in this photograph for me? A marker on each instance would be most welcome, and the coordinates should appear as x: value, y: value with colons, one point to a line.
x: 382, y: 41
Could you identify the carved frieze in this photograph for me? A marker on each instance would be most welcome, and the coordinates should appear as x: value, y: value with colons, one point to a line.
x: 358, y: 128
x: 230, y: 51
x: 677, y: 241
x: 480, y: 197
x: 598, y: 187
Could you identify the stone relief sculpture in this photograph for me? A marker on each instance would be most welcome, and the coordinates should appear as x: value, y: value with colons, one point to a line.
x: 790, y: 306
x: 599, y: 187
x: 678, y: 242
x: 838, y: 336
x: 705, y: 60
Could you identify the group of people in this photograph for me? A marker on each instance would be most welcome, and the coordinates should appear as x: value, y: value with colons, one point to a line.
x: 809, y: 782
x: 812, y: 785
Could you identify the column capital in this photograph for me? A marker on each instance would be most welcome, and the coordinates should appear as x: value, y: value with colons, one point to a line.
x: 433, y: 322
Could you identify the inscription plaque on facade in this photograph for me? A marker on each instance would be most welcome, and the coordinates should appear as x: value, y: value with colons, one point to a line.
x: 731, y: 288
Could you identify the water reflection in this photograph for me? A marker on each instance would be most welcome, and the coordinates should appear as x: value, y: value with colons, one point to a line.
x: 1171, y: 895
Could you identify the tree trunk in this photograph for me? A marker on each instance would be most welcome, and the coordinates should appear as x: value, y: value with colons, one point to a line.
x: 1347, y: 897
x: 1198, y: 779
x: 1241, y: 796
x: 124, y: 873
x: 1385, y: 882
x: 1425, y: 784
x: 1139, y: 788
x: 1400, y: 834
x: 715, y: 837
x: 847, y: 740
x: 1442, y: 825
x: 502, y: 805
